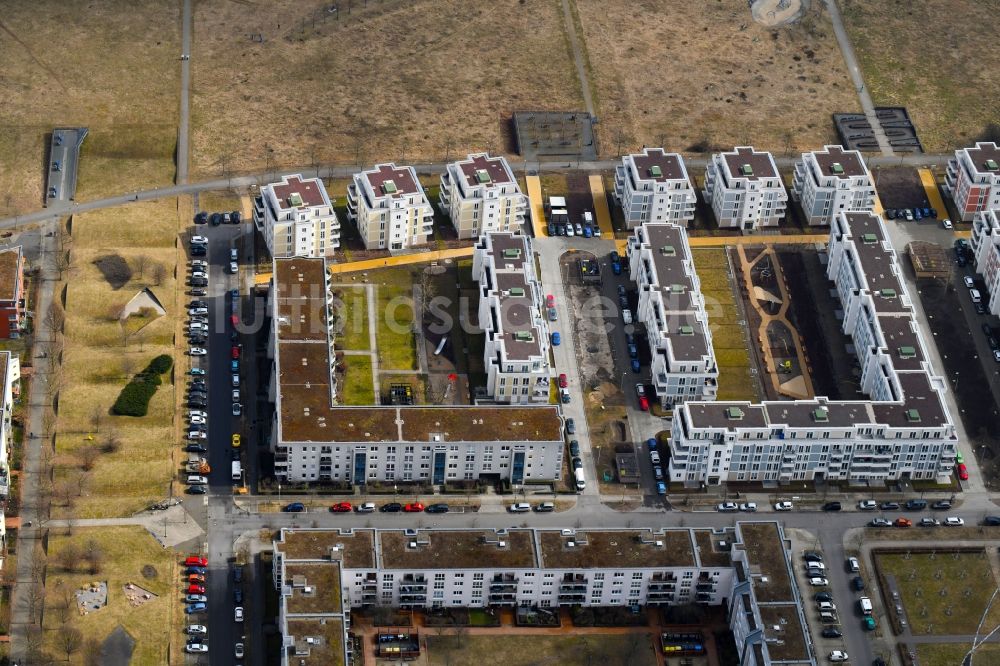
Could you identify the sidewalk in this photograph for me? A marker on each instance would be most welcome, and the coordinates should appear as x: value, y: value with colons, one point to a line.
x: 170, y: 528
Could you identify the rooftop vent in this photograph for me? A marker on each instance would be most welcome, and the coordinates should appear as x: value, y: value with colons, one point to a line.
x: 677, y: 288
x: 668, y: 251
x: 821, y: 415
x: 482, y: 176
x: 511, y: 253
x: 516, y: 291
x: 389, y: 187
x: 655, y: 171
x: 907, y: 352
x: 888, y: 293
x: 295, y: 199
x: 991, y: 165
x: 837, y: 168
x: 686, y: 330
x: 523, y: 336
x: 746, y: 170
x: 734, y: 413
x: 869, y: 238
x: 912, y: 415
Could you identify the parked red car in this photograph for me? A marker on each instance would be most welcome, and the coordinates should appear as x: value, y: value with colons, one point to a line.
x: 550, y: 301
x: 196, y: 578
x: 416, y: 507
x: 963, y: 472
x: 235, y: 352
x: 341, y: 507
x: 563, y: 382
x: 643, y: 403
x: 196, y: 589
x: 195, y: 561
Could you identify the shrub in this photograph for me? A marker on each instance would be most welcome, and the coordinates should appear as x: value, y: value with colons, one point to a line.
x: 160, y: 364
x: 134, y: 398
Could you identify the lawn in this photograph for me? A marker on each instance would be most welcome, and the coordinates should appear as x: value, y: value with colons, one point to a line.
x: 950, y: 654
x: 221, y: 201
x: 357, y: 387
x: 528, y: 650
x: 728, y: 337
x: 352, y: 318
x: 394, y: 313
x: 699, y: 75
x: 110, y: 65
x: 890, y: 38
x: 125, y: 552
x: 380, y: 80
x: 943, y: 593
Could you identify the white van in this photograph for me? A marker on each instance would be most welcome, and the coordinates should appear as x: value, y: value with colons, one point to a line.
x: 866, y: 605
x: 627, y: 316
x: 520, y: 507
x: 193, y: 480
x: 976, y: 296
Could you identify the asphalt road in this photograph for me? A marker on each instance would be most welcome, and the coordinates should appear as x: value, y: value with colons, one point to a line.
x: 185, y: 113
x: 64, y: 180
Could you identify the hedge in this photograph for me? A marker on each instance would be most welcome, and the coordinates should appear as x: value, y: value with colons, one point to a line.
x: 134, y: 398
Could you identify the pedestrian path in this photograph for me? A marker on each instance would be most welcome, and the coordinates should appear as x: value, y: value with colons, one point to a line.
x: 400, y: 260
x: 601, y: 211
x: 535, y: 204
x: 932, y: 192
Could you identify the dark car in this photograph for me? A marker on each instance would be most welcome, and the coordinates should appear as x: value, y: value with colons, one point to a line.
x: 215, y: 219
x: 941, y: 505
x: 858, y: 583
x: 201, y: 218
x: 889, y: 506
x: 992, y: 521
x: 916, y: 505
x: 195, y: 448
x: 196, y: 490
x: 980, y: 308
x: 570, y: 427
x: 987, y: 329
x: 198, y: 292
x: 197, y: 402
x: 238, y: 574
x: 392, y: 507
x: 237, y: 596
x: 823, y: 596
x: 890, y: 213
x: 832, y: 632
x: 235, y: 217
x: 832, y: 506
x: 198, y: 304
x: 436, y: 508
x: 577, y: 463
x: 294, y: 507
x: 812, y: 556
x: 574, y: 448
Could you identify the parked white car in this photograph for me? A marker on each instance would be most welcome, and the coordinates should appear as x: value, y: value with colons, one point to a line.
x: 749, y: 507
x: 197, y: 351
x: 954, y: 521
x: 726, y: 507
x: 783, y: 506
x: 818, y: 581
x: 867, y: 505
x: 838, y: 655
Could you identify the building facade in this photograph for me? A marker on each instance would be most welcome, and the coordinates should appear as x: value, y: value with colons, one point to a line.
x: 654, y: 186
x: 832, y: 181
x: 985, y: 245
x: 12, y: 296
x: 480, y: 195
x: 672, y: 307
x: 903, y: 430
x: 973, y: 179
x: 745, y: 190
x: 316, y: 439
x: 516, y: 357
x: 296, y: 218
x: 390, y: 208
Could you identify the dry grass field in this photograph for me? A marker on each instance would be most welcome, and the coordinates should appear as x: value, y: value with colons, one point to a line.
x: 98, y: 360
x: 110, y: 65
x: 125, y: 551
x: 393, y: 80
x: 690, y: 73
x: 932, y: 58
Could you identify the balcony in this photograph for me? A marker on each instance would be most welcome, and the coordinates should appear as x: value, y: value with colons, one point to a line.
x: 572, y: 597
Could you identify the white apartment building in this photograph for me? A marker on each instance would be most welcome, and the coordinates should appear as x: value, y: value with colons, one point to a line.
x: 296, y: 218
x: 745, y: 190
x: 321, y: 574
x: 986, y: 249
x: 510, y: 312
x: 316, y: 440
x: 654, y: 186
x: 10, y: 383
x: 480, y: 195
x: 673, y: 309
x: 832, y: 181
x: 903, y: 430
x: 390, y: 208
x: 973, y: 179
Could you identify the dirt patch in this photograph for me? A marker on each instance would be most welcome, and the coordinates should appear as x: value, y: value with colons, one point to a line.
x: 900, y: 188
x: 115, y: 270
x: 136, y: 595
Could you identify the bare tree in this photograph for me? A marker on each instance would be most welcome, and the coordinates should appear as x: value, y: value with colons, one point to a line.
x: 63, y: 603
x: 96, y: 416
x: 55, y: 317
x: 88, y: 455
x: 94, y: 556
x: 141, y: 262
x: 115, y: 312
x: 159, y: 273
x: 92, y: 652
x: 112, y: 441
x: 69, y: 639
x: 66, y: 493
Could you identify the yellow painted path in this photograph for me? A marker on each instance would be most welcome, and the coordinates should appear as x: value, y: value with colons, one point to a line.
x: 535, y: 206
x: 601, y: 205
x: 932, y: 191
x: 400, y: 260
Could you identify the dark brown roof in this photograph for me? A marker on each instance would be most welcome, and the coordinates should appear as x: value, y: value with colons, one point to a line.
x: 482, y: 424
x: 311, y: 190
x: 627, y: 549
x: 300, y: 301
x: 901, y: 341
x: 922, y: 406
x: 671, y: 165
x: 495, y: 168
x: 983, y: 153
x: 327, y: 651
x: 816, y: 414
x: 458, y: 549
x: 730, y: 415
x: 400, y: 179
x: 850, y: 162
x: 358, y: 547
x: 766, y: 555
x: 10, y: 281
x: 877, y: 262
x: 761, y: 164
x: 503, y: 242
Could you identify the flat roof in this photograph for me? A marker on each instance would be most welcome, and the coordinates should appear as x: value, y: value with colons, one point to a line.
x: 922, y: 405
x: 327, y: 651
x: 502, y: 247
x: 517, y: 317
x: 300, y: 298
x: 358, y: 547
x: 709, y: 555
x: 877, y: 262
x: 766, y: 556
x: 670, y: 165
x: 323, y: 582
x: 458, y: 549
x: 310, y: 190
x: 730, y: 415
x: 482, y: 424
x: 10, y: 260
x: 814, y: 414
x: 783, y: 632
x: 835, y: 161
x: 388, y: 180
x: 761, y: 165
x: 981, y: 154
x: 616, y: 548
x: 495, y: 168
x: 901, y: 341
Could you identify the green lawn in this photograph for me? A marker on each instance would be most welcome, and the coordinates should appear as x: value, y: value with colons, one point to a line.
x: 394, y: 314
x: 944, y: 593
x: 352, y: 313
x: 528, y: 650
x: 357, y: 388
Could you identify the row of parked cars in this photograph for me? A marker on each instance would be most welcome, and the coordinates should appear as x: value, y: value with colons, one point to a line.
x: 216, y: 219
x: 825, y: 606
x: 371, y: 507
x: 912, y: 214
x: 195, y: 573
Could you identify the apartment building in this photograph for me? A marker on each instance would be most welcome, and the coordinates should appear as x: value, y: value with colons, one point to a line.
x: 390, y: 208
x: 510, y: 312
x: 12, y: 296
x: 973, y: 179
x: 745, y: 190
x: 832, y: 181
x: 480, y: 195
x: 654, y: 186
x: 902, y: 430
x: 322, y: 574
x: 10, y: 385
x: 296, y: 218
x: 315, y: 439
x: 985, y: 245
x: 673, y: 309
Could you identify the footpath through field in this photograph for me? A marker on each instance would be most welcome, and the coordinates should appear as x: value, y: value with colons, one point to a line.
x: 932, y: 191
x: 601, y: 210
x: 400, y: 260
